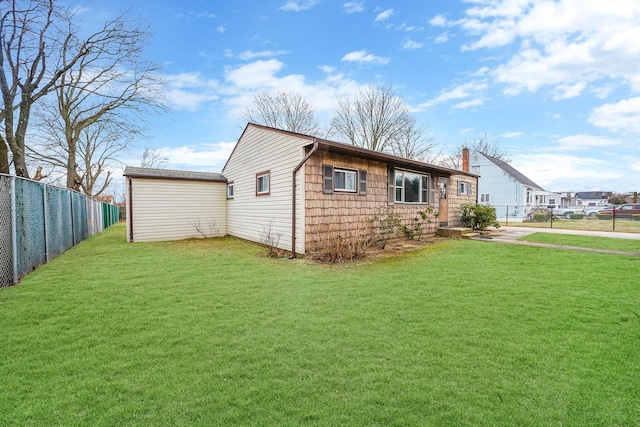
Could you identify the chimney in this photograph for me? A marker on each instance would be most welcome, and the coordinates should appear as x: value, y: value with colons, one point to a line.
x: 465, y: 160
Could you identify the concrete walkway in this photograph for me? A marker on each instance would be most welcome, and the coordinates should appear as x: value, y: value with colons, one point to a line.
x: 512, y: 234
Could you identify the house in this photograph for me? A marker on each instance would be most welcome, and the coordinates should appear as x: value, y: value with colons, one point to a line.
x: 299, y: 188
x: 507, y: 189
x: 596, y: 198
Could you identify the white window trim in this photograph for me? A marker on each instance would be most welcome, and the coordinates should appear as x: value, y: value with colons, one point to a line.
x: 345, y: 171
x: 421, y: 191
x: 230, y: 190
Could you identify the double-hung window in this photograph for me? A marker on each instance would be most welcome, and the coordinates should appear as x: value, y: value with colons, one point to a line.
x: 263, y: 185
x: 345, y: 180
x: 342, y: 180
x: 230, y: 190
x: 411, y: 187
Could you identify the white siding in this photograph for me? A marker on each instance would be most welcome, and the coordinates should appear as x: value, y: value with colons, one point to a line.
x: 164, y: 209
x: 260, y: 150
x: 504, y: 190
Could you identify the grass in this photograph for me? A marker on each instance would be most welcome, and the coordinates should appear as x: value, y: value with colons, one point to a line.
x: 208, y: 332
x: 594, y: 224
x: 626, y: 245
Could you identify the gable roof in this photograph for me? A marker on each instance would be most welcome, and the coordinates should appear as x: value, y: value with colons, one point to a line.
x: 152, y: 173
x: 352, y: 150
x: 593, y: 195
x: 511, y: 171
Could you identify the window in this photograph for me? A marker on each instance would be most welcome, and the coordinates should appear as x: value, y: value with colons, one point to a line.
x: 485, y: 198
x: 263, y: 187
x: 230, y: 190
x: 464, y: 187
x: 475, y: 169
x: 552, y: 201
x: 344, y: 180
x: 411, y: 187
x: 341, y: 180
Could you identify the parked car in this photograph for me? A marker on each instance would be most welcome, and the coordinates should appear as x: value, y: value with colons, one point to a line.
x: 565, y: 211
x: 623, y: 211
x: 593, y: 210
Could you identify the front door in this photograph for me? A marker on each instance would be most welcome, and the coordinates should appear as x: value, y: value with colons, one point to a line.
x: 443, y: 186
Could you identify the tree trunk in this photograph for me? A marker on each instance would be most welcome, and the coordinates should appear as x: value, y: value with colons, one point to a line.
x: 4, y: 157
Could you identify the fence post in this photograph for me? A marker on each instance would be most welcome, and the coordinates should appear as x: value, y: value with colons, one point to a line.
x: 506, y: 219
x: 14, y: 238
x: 45, y: 222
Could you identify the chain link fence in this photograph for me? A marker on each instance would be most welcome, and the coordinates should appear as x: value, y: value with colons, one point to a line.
x: 38, y: 222
x: 584, y: 218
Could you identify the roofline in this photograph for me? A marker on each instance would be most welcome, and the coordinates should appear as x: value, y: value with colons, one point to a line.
x: 197, y: 176
x: 352, y: 150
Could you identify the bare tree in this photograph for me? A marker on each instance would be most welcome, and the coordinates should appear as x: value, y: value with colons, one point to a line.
x: 378, y: 119
x: 411, y: 143
x: 152, y: 158
x: 453, y: 159
x: 29, y: 41
x: 102, y: 99
x: 283, y: 110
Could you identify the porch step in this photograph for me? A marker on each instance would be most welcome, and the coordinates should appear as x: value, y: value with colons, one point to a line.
x: 456, y: 232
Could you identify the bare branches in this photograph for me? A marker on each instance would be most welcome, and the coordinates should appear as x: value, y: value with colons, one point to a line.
x: 283, y: 110
x: 453, y: 159
x: 378, y: 119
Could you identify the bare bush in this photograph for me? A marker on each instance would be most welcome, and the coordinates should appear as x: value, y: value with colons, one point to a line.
x: 340, y: 246
x: 208, y: 230
x: 271, y: 239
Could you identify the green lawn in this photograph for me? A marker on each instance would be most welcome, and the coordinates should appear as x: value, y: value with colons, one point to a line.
x: 621, y: 225
x: 626, y: 245
x: 211, y: 333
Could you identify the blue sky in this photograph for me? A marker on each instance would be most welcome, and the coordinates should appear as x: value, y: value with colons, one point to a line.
x: 554, y: 83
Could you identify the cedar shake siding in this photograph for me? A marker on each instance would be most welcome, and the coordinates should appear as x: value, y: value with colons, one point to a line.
x: 346, y: 213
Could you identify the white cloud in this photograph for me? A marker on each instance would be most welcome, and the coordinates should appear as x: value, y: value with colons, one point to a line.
x: 364, y: 57
x: 353, y: 7
x: 584, y: 142
x: 516, y: 134
x: 412, y: 45
x: 207, y: 156
x: 465, y: 90
x: 383, y: 16
x: 190, y: 91
x: 623, y: 116
x: 220, y: 29
x: 442, y: 38
x: 468, y: 104
x: 249, y: 55
x: 297, y: 6
x: 564, y: 44
x: 438, y: 21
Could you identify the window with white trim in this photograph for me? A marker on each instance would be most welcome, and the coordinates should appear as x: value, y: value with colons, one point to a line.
x: 475, y: 169
x: 485, y: 198
x: 411, y: 187
x: 263, y: 185
x: 345, y: 180
x: 230, y: 190
x: 464, y: 187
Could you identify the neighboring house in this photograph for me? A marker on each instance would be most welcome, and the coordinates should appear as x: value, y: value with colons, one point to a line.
x: 301, y: 189
x: 507, y: 189
x: 596, y: 197
x: 165, y: 204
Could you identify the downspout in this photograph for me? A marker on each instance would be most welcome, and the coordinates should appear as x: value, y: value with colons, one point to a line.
x: 130, y: 215
x: 293, y: 199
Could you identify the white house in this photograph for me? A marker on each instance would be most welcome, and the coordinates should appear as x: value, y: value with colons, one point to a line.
x: 507, y: 189
x: 298, y: 188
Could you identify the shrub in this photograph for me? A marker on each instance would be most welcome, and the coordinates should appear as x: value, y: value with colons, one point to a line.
x: 419, y: 222
x: 635, y: 217
x: 385, y: 225
x: 540, y: 217
x: 270, y: 239
x: 576, y: 216
x: 340, y: 246
x: 207, y: 231
x: 478, y: 217
x: 605, y: 216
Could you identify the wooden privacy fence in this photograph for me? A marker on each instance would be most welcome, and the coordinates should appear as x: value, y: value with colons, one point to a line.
x: 39, y: 222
